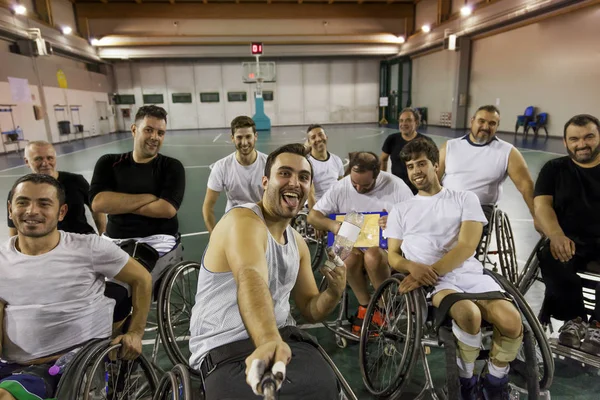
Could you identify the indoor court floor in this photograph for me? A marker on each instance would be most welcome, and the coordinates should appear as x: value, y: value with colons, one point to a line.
x: 198, y: 149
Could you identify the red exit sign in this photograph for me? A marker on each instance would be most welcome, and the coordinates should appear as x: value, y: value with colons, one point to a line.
x: 257, y: 48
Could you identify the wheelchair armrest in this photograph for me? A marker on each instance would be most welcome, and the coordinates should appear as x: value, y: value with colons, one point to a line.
x: 441, y: 313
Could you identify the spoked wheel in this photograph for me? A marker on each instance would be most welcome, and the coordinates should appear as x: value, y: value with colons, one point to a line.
x: 506, y: 247
x: 531, y: 271
x: 175, y: 302
x: 316, y: 245
x: 174, y: 385
x: 336, y: 323
x: 389, y: 340
x: 539, y: 345
x: 107, y: 379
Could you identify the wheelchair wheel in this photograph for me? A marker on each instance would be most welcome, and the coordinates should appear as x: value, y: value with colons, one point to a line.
x: 316, y: 246
x: 506, y: 247
x: 338, y: 317
x: 174, y: 385
x: 390, y: 338
x: 175, y: 302
x: 531, y: 271
x: 543, y: 353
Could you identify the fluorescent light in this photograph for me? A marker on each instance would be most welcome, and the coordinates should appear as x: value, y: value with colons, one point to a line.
x: 20, y: 9
x: 426, y: 28
x: 466, y: 11
x: 66, y: 30
x: 95, y: 42
x: 400, y: 39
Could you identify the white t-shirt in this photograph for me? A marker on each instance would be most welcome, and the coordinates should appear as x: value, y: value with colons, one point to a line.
x: 429, y: 226
x: 326, y: 173
x: 481, y: 169
x: 242, y: 184
x: 56, y: 301
x: 343, y: 198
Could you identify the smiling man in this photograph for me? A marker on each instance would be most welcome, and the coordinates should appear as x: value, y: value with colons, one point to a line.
x: 239, y: 174
x: 567, y: 206
x: 480, y: 162
x: 255, y: 261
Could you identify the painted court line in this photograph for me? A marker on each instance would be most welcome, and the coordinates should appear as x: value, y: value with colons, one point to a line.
x: 195, y: 234
x: 91, y: 171
x: 217, y: 138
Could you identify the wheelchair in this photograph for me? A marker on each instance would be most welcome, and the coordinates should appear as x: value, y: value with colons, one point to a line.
x: 94, y: 375
x: 176, y: 300
x: 388, y: 352
x: 505, y: 245
x: 590, y: 279
x: 316, y: 246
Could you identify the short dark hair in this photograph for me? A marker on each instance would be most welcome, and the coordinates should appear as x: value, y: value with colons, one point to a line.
x: 242, y: 121
x: 294, y: 148
x: 313, y: 126
x: 419, y: 146
x: 364, y: 161
x: 150, y: 111
x: 581, y: 120
x: 488, y: 108
x: 40, y: 179
x: 414, y: 112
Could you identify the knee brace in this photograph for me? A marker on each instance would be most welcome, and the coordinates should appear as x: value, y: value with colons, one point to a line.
x: 468, y: 345
x: 505, y: 349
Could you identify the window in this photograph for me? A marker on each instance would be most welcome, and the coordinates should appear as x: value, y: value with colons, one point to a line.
x: 236, y: 96
x: 267, y: 95
x: 209, y: 97
x: 124, y: 99
x: 181, y: 97
x: 153, y: 99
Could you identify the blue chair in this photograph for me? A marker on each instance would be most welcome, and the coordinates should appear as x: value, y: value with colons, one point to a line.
x: 525, y: 119
x: 541, y: 120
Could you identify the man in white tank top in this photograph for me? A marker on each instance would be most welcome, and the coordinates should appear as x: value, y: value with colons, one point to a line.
x: 52, y: 290
x: 253, y: 263
x: 433, y: 238
x: 328, y: 168
x: 480, y: 162
x: 239, y: 174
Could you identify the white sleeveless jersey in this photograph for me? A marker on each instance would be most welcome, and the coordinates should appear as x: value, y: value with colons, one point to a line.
x: 480, y: 169
x: 216, y: 318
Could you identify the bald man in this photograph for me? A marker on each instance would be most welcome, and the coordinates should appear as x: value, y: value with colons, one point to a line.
x: 40, y: 157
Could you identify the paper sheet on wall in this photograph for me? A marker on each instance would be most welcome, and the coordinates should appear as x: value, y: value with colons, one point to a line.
x: 19, y: 90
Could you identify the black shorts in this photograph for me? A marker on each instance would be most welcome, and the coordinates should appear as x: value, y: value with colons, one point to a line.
x: 123, y: 301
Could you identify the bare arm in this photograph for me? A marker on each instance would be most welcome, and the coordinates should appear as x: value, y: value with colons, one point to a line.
x: 395, y: 258
x: 546, y: 216
x: 208, y: 209
x: 383, y: 163
x: 442, y: 165
x: 136, y: 276
x: 100, y: 221
x: 468, y: 240
x: 159, y: 208
x: 313, y: 305
x: 2, y: 305
x: 519, y: 174
x: 120, y: 203
x: 12, y: 232
x: 312, y: 200
x: 322, y: 223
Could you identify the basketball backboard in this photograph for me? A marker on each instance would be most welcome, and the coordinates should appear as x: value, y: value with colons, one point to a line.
x: 265, y: 71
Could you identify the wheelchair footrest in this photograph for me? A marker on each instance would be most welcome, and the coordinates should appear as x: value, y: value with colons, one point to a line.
x: 574, y: 354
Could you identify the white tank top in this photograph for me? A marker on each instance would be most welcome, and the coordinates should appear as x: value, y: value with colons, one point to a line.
x: 480, y: 169
x: 216, y: 318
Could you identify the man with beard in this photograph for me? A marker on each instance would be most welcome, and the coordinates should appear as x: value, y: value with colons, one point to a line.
x: 480, y: 162
x: 365, y: 189
x: 567, y: 207
x: 141, y: 192
x: 433, y: 237
x: 239, y: 174
x: 52, y: 291
x: 40, y: 157
x: 328, y: 167
x: 408, y: 122
x: 253, y: 262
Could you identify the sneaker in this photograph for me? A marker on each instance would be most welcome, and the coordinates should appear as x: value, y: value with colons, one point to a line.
x: 591, y: 342
x: 572, y: 333
x: 493, y: 388
x: 357, y: 319
x: 468, y: 388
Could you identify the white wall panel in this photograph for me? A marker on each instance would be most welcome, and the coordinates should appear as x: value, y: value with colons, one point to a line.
x: 290, y: 90
x: 316, y: 92
x: 342, y: 87
x: 232, y: 82
x: 180, y: 79
x: 208, y: 79
x: 22, y: 114
x: 366, y: 93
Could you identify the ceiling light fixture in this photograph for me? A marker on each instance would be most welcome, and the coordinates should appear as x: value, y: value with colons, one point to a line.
x: 466, y: 11
x: 66, y: 30
x: 426, y: 28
